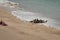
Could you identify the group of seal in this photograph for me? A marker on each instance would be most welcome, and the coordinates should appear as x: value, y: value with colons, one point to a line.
x: 38, y: 21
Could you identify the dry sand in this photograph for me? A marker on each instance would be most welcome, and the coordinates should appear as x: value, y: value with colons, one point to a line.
x: 20, y: 30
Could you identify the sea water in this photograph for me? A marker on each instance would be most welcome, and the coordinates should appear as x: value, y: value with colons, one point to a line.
x: 41, y: 9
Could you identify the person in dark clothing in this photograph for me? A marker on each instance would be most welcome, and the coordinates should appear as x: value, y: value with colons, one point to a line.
x: 3, y: 23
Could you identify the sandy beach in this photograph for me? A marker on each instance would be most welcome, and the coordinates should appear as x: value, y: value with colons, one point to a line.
x: 17, y: 29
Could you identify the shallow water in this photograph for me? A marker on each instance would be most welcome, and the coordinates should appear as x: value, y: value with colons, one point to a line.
x: 42, y: 9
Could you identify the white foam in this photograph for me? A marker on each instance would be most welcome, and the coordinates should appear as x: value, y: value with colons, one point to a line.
x: 26, y: 15
x: 10, y: 4
x: 2, y: 1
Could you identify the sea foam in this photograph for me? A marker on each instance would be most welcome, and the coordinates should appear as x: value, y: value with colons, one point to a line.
x: 25, y: 15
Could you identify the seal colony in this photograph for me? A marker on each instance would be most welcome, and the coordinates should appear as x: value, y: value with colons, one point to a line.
x: 38, y: 21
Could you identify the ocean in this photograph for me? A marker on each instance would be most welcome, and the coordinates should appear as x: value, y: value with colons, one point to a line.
x: 41, y: 9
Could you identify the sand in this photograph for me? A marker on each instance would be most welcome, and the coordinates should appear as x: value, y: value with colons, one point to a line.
x: 21, y: 30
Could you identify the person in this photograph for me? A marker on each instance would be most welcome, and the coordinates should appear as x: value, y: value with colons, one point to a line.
x: 3, y: 23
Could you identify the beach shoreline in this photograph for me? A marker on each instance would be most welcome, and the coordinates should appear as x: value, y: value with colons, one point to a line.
x: 19, y: 11
x: 20, y: 30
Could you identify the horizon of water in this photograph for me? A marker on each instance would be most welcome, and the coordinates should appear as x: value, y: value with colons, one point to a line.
x: 44, y: 9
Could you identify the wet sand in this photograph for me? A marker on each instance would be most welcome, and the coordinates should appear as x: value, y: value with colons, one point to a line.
x: 20, y: 30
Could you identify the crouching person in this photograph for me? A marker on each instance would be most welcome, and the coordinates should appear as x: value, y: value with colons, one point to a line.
x: 3, y: 23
